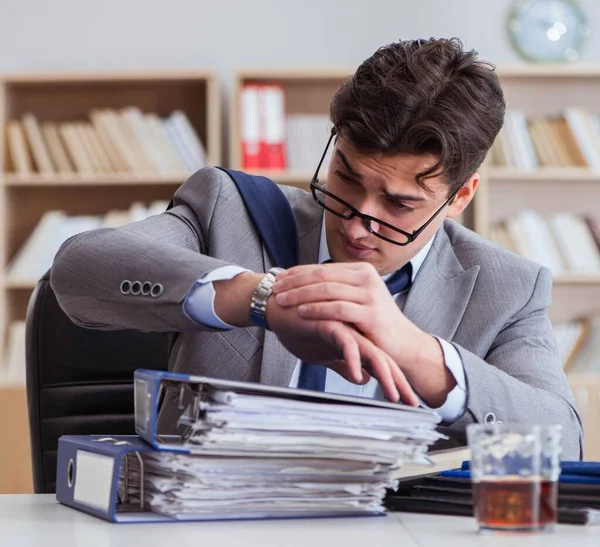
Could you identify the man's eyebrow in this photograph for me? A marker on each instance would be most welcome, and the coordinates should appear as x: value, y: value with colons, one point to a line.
x: 347, y: 165
x: 403, y: 197
x: 389, y: 195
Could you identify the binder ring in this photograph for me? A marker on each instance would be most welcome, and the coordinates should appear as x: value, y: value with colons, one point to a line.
x: 71, y: 473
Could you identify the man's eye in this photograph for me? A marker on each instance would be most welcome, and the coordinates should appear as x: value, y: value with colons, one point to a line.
x: 344, y: 176
x: 399, y: 205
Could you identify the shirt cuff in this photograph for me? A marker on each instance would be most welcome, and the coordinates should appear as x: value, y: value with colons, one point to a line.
x: 199, y: 303
x: 454, y: 406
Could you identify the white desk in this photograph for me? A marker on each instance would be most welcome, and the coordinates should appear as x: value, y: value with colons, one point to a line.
x: 28, y: 520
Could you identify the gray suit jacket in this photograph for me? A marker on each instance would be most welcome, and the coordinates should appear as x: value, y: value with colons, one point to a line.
x: 487, y: 301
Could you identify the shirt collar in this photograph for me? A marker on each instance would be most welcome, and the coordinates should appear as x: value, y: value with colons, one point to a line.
x: 417, y: 260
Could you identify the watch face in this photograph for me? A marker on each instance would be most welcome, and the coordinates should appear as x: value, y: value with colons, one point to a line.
x: 548, y: 30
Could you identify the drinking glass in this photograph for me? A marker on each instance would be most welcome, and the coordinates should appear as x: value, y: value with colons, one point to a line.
x: 514, y: 471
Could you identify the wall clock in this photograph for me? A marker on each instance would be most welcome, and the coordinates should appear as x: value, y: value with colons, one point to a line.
x: 548, y: 30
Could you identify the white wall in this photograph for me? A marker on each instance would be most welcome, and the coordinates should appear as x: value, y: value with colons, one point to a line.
x: 225, y: 34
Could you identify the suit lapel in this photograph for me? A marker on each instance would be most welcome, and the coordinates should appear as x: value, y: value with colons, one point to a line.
x: 440, y: 293
x: 277, y: 363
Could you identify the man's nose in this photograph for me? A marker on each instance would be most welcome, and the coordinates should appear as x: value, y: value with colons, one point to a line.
x: 356, y: 228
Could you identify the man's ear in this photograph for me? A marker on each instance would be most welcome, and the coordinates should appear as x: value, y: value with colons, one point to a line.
x: 464, y: 196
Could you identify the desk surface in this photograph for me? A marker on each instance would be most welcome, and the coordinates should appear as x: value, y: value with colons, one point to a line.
x: 27, y: 520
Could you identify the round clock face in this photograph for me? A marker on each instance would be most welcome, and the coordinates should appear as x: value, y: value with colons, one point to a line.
x: 548, y: 30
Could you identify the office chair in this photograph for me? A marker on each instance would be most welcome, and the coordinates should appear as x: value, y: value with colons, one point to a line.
x: 79, y: 381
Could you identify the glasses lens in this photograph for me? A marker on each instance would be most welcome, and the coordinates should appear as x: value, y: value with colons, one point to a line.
x: 332, y: 203
x: 340, y: 208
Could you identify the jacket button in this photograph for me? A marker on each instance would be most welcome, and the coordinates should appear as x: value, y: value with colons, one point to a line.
x: 146, y: 288
x: 136, y: 288
x: 489, y: 418
x: 125, y: 286
x: 157, y: 290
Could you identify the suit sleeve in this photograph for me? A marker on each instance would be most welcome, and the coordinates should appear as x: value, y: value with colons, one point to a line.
x: 166, y: 254
x: 522, y: 373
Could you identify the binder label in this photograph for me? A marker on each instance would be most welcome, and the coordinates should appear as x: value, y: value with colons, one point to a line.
x: 93, y: 480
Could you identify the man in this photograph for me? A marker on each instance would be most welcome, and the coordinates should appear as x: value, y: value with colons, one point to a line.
x: 461, y: 326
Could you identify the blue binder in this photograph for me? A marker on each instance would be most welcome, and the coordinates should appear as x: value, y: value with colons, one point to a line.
x: 95, y: 476
x: 162, y: 397
x: 88, y: 476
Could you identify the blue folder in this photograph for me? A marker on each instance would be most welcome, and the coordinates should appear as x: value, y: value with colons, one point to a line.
x: 573, y: 472
x: 99, y: 475
x: 162, y: 398
x: 92, y: 475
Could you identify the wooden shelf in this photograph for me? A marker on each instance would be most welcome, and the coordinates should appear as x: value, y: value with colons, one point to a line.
x: 108, y: 179
x: 15, y: 453
x: 293, y: 178
x: 302, y: 74
x: 90, y: 77
x: 535, y: 71
x: 15, y: 284
x: 577, y: 279
x: 543, y: 175
x: 60, y: 98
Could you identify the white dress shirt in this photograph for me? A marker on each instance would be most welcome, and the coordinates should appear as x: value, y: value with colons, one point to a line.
x: 199, y: 305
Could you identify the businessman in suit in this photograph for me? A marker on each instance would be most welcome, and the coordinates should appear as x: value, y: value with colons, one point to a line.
x: 392, y: 298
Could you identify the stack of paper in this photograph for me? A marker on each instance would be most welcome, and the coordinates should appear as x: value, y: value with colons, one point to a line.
x: 261, y: 456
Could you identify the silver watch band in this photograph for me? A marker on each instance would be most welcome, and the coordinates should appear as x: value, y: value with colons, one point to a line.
x: 258, y: 302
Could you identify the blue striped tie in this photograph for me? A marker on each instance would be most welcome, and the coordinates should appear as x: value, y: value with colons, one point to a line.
x: 313, y: 376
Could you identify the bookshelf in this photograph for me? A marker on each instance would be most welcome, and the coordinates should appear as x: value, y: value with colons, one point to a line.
x: 546, y: 92
x: 63, y: 100
x: 306, y: 92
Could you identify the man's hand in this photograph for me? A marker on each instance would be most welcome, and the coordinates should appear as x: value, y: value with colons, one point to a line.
x: 338, y: 346
x: 355, y: 294
x: 341, y: 348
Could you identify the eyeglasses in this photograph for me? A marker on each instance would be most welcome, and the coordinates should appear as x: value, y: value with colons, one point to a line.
x: 377, y: 227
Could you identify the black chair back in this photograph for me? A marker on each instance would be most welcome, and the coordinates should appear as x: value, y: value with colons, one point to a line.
x: 79, y: 381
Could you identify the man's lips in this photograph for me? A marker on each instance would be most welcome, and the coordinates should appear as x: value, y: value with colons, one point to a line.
x: 357, y: 245
x: 356, y: 250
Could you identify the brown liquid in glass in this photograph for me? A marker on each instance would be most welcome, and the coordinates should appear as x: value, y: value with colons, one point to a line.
x: 514, y: 504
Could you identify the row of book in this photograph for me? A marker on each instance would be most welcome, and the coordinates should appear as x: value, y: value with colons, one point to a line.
x: 566, y: 243
x: 110, y: 141
x: 570, y: 139
x: 272, y: 139
x: 36, y: 255
x: 579, y: 344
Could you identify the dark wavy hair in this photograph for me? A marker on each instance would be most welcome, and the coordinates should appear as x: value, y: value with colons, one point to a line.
x: 422, y: 97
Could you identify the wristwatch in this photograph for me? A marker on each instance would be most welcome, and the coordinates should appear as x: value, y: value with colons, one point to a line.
x: 258, y: 302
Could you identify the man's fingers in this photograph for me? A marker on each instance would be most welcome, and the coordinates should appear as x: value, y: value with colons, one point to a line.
x: 407, y: 394
x: 346, y: 273
x: 341, y: 368
x: 361, y: 359
x: 377, y: 364
x: 322, y: 292
x: 341, y: 336
x: 354, y: 266
x: 347, y: 312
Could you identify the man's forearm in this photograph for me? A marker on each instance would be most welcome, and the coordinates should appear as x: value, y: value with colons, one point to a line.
x: 232, y: 298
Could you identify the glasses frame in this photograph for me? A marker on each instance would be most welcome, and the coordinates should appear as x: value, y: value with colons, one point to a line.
x: 367, y: 219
